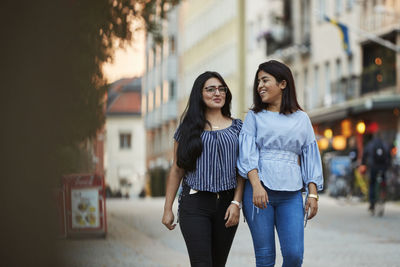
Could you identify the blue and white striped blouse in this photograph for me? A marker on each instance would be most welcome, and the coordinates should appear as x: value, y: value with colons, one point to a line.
x: 216, y: 167
x: 273, y: 143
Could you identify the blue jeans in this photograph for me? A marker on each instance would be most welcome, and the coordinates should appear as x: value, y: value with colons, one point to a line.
x: 285, y: 212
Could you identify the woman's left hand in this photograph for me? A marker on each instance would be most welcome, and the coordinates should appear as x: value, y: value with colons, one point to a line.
x: 232, y: 215
x: 311, y: 207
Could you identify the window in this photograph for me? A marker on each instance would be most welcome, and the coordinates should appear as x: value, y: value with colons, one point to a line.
x: 338, y: 69
x: 349, y: 4
x: 158, y: 53
x: 165, y: 93
x: 172, y: 45
x: 250, y: 36
x: 172, y: 89
x: 158, y: 96
x: 150, y: 101
x: 125, y: 140
x: 351, y: 65
x: 144, y: 104
x: 322, y: 10
x: 154, y: 56
x: 305, y: 21
x: 328, y: 96
x: 305, y: 86
x: 165, y: 48
x: 314, y: 97
x: 150, y: 59
x: 338, y: 7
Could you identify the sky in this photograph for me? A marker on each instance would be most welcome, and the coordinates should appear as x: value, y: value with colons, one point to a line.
x: 128, y: 62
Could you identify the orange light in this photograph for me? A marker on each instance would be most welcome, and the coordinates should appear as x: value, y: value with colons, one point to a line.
x: 328, y: 133
x: 393, y: 152
x: 396, y: 112
x: 323, y: 143
x: 360, y: 127
x: 378, y: 61
x: 339, y: 142
x: 379, y: 78
x: 346, y: 128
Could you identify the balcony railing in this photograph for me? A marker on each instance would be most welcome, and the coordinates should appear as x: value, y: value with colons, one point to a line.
x: 280, y: 37
x: 169, y: 111
x: 376, y: 79
x: 345, y: 89
x: 166, y: 112
x: 380, y: 22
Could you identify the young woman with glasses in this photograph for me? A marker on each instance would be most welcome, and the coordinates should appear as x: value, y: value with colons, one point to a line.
x: 206, y: 150
x: 278, y: 154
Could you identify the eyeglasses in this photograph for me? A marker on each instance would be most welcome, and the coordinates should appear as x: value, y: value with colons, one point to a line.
x: 213, y: 89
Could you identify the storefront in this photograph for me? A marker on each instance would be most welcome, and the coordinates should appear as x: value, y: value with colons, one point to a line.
x: 360, y: 120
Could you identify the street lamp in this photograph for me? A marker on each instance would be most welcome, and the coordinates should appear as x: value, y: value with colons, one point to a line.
x: 360, y: 127
x: 328, y: 133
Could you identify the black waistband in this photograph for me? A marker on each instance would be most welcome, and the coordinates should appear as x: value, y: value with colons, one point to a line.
x: 186, y: 189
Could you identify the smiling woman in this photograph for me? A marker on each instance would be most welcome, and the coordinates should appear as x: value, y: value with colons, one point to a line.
x: 279, y: 156
x: 206, y: 149
x: 270, y: 90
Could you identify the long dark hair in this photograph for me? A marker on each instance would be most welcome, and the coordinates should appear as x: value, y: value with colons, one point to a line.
x: 193, y: 121
x: 280, y: 72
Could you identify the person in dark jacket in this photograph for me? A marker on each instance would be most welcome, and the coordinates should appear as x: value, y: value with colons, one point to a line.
x: 376, y: 157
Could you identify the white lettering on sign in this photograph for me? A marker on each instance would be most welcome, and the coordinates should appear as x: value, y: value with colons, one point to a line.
x: 81, y: 181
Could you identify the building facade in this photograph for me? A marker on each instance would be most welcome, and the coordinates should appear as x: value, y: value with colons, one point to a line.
x: 125, y: 139
x: 212, y: 38
x: 344, y: 55
x: 197, y: 36
x: 344, y: 60
x: 160, y: 102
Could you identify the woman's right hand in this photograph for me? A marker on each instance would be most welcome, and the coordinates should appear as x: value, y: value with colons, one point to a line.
x: 260, y: 196
x: 168, y: 219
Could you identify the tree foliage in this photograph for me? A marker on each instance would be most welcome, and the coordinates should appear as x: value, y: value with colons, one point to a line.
x: 52, y: 100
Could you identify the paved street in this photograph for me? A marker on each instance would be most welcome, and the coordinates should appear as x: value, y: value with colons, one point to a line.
x: 343, y: 234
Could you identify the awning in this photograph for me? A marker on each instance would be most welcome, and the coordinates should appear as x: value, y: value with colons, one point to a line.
x: 354, y: 106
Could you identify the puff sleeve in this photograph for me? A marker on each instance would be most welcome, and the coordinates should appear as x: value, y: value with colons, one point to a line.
x: 248, y: 150
x: 311, y: 165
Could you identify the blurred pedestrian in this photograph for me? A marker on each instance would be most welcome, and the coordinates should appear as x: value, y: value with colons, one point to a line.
x: 376, y: 158
x: 354, y: 163
x: 279, y: 155
x: 206, y: 149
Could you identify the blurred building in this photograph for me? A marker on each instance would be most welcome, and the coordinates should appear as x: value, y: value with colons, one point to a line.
x: 197, y: 36
x: 125, y: 139
x: 268, y: 33
x: 342, y: 54
x: 212, y: 38
x: 160, y: 104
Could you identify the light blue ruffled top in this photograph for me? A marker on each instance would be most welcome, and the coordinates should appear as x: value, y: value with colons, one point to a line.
x: 282, y: 148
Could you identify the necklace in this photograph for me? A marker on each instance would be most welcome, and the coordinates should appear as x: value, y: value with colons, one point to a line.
x: 215, y: 127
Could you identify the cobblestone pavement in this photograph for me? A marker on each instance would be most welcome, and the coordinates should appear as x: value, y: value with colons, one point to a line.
x: 343, y: 234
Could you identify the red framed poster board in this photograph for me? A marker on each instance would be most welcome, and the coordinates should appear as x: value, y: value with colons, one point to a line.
x: 85, y: 205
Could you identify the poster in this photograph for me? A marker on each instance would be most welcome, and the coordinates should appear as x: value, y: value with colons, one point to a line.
x: 85, y: 208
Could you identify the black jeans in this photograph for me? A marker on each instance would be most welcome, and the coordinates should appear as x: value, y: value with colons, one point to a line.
x: 373, y: 184
x: 201, y: 219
